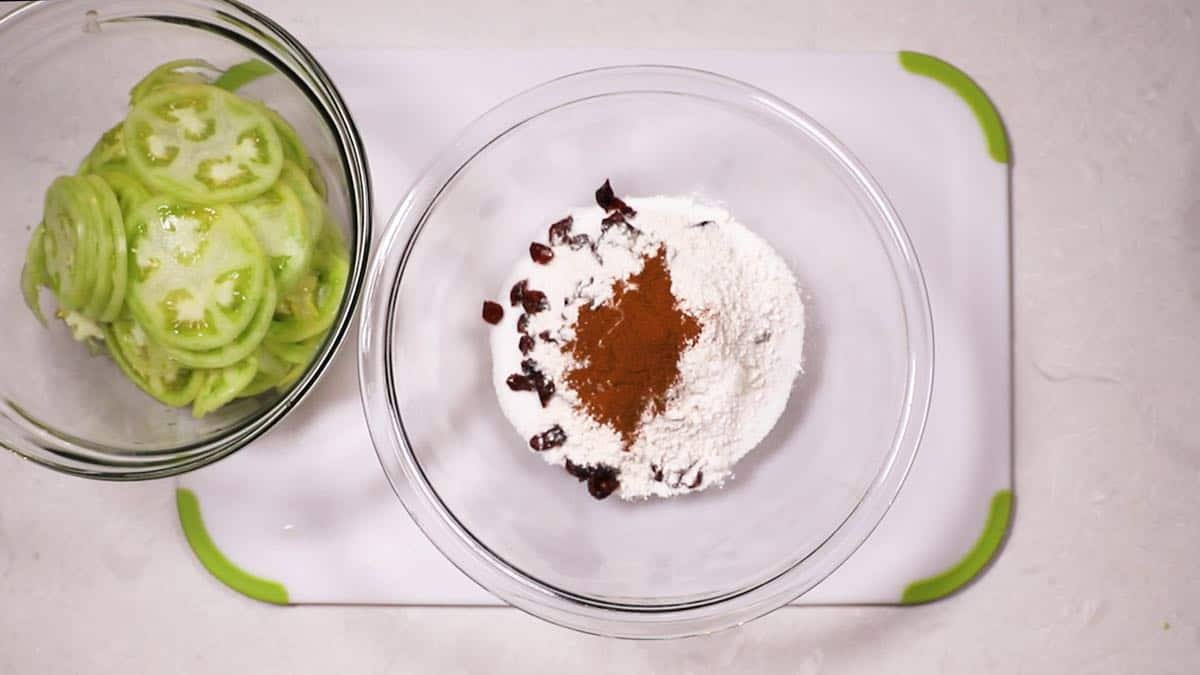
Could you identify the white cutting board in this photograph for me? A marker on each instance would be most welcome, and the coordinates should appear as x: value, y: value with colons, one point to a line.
x: 305, y: 514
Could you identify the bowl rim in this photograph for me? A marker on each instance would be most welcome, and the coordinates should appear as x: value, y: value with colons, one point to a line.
x: 377, y: 373
x: 238, y: 23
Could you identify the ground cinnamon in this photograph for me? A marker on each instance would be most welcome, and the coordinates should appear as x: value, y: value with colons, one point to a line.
x: 629, y: 349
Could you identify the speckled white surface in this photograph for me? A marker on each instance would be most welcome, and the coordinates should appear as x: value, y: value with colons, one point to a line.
x: 1102, y: 101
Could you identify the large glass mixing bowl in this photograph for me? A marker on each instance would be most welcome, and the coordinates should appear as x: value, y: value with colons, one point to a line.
x: 801, y: 502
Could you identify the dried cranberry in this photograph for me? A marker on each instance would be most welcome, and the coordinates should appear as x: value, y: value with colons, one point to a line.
x: 534, y: 301
x: 610, y: 220
x: 545, y: 336
x: 560, y: 232
x: 493, y: 313
x: 517, y: 294
x: 530, y: 368
x: 541, y: 253
x: 545, y: 390
x: 609, y: 201
x: 578, y: 471
x: 520, y: 383
x: 523, y: 323
x: 603, y: 481
x: 550, y: 438
x: 579, y: 241
x: 525, y: 344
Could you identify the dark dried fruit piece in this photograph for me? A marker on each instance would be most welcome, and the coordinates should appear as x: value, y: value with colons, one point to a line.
x: 696, y: 482
x: 523, y: 323
x: 520, y: 383
x: 703, y: 223
x: 545, y: 390
x: 541, y: 253
x: 610, y: 220
x: 550, y: 438
x: 657, y: 471
x: 493, y: 313
x: 610, y: 202
x: 517, y: 294
x: 534, y: 301
x: 530, y: 368
x: 525, y: 344
x: 580, y: 472
x: 579, y: 241
x: 546, y: 337
x: 603, y: 481
x: 560, y: 232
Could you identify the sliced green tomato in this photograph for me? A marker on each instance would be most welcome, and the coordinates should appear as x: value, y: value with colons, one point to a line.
x: 317, y: 180
x: 313, y: 304
x: 293, y: 148
x: 197, y: 275
x: 148, y: 365
x: 101, y: 198
x: 108, y: 151
x: 202, y: 144
x: 244, y: 345
x: 180, y: 71
x: 116, y: 264
x: 73, y: 222
x: 296, y: 353
x: 222, y: 385
x: 279, y: 222
x: 240, y: 74
x: 271, y: 370
x: 33, y: 273
x: 129, y: 190
x: 314, y: 206
x: 291, y: 377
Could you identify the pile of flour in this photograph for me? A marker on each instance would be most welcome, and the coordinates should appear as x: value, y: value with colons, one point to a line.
x: 734, y: 380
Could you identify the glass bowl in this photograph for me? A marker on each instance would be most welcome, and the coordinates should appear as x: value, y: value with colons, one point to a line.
x: 800, y: 503
x: 65, y: 72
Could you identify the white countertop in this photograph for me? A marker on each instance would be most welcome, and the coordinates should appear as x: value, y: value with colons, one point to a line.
x: 1102, y: 103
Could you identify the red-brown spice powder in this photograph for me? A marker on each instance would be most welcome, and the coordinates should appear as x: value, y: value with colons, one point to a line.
x: 629, y: 349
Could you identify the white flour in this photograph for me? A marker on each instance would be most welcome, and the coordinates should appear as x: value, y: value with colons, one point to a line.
x: 734, y: 381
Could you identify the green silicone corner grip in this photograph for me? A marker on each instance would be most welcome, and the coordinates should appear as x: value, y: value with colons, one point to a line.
x: 215, y: 562
x: 966, y: 88
x: 986, y: 547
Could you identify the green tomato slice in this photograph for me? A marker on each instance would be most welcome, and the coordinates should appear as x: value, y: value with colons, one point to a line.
x: 180, y: 71
x: 147, y: 364
x: 314, y: 206
x: 115, y: 263
x: 293, y: 148
x: 311, y: 307
x: 108, y: 151
x: 271, y: 370
x: 33, y: 273
x: 101, y: 198
x: 197, y: 275
x: 129, y: 191
x: 279, y: 222
x: 202, y: 144
x: 296, y: 353
x: 244, y: 345
x: 73, y: 221
x: 240, y: 74
x: 222, y: 385
x: 317, y: 180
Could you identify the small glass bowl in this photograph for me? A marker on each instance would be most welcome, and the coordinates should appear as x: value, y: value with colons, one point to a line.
x: 800, y: 503
x: 65, y: 72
